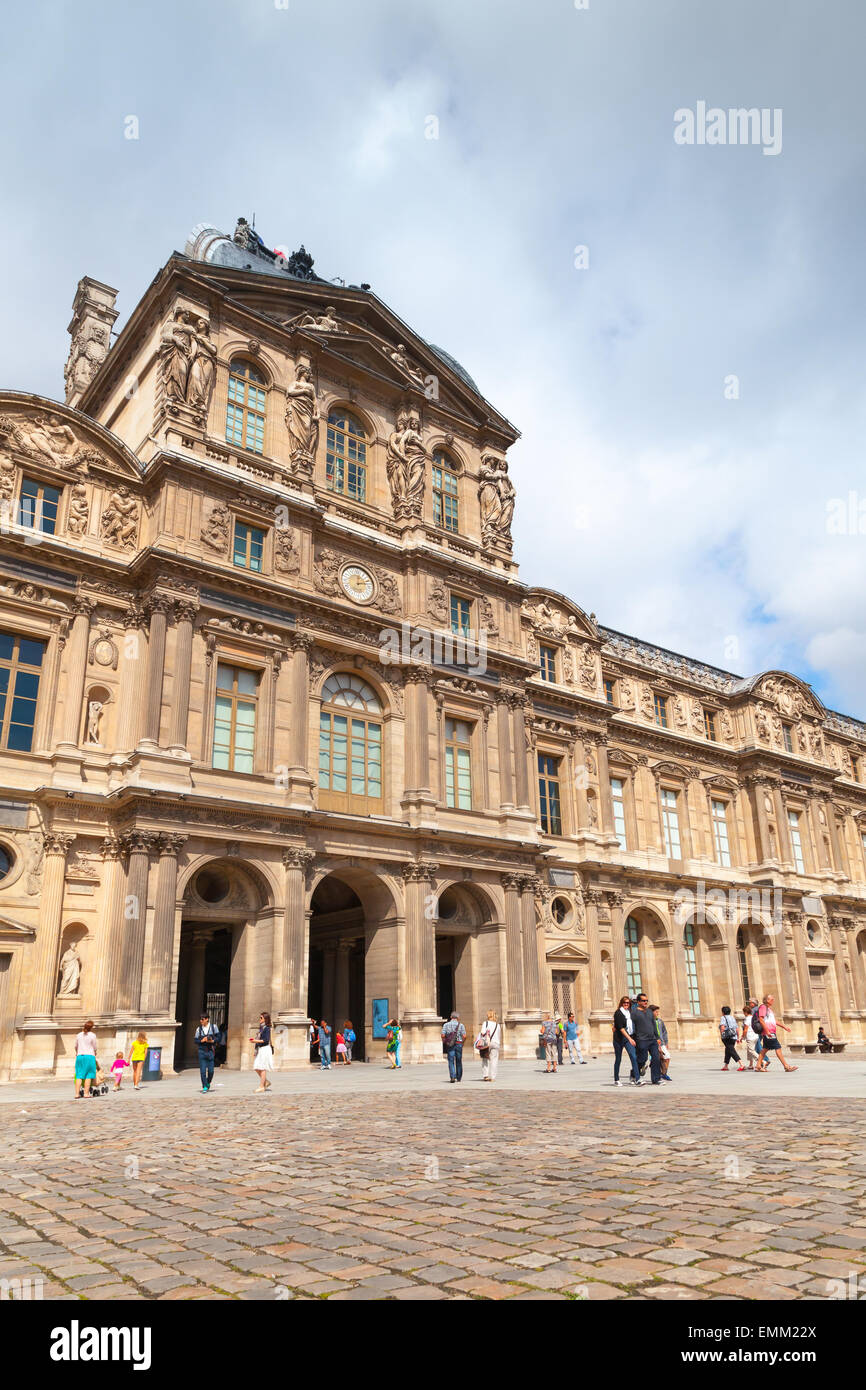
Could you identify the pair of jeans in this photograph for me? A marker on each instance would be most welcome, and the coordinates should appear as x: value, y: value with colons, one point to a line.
x: 205, y: 1065
x: 651, y: 1050
x: 325, y: 1053
x: 559, y: 1048
x: 574, y: 1049
x: 619, y: 1046
x: 455, y: 1062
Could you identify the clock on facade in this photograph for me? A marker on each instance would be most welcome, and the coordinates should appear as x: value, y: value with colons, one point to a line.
x: 357, y: 583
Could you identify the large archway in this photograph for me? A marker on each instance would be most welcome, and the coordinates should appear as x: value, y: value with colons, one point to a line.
x: 466, y: 955
x: 220, y: 964
x: 336, y: 975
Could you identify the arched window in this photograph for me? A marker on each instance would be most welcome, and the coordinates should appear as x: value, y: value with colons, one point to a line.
x: 350, y: 746
x: 632, y: 959
x: 346, y: 455
x: 446, y: 506
x: 692, y: 969
x: 245, y: 412
x: 744, y: 965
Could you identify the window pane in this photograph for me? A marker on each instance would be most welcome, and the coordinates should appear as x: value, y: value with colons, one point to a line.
x: 248, y: 681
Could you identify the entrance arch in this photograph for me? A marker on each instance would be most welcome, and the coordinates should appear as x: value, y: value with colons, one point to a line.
x: 466, y: 953
x: 221, y: 966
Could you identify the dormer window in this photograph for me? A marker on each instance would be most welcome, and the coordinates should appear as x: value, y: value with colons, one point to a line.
x: 547, y: 659
x: 37, y: 508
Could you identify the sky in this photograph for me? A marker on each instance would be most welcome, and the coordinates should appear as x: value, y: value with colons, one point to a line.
x: 688, y: 385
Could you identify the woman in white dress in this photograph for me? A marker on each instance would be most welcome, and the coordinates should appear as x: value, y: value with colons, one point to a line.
x: 491, y: 1032
x: 264, y: 1061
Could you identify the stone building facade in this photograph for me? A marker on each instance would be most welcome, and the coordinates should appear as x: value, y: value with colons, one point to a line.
x: 282, y: 728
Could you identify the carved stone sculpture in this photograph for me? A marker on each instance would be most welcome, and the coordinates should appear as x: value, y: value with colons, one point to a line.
x: 322, y: 323
x: 215, y: 531
x: 437, y: 602
x: 496, y: 496
x: 405, y: 466
x: 176, y: 352
x: 287, y: 556
x: 399, y: 357
x: 33, y: 854
x: 587, y: 669
x: 202, y: 371
x: 94, y: 714
x: 762, y: 724
x: 119, y: 523
x: 326, y: 572
x: 79, y: 510
x: 302, y: 418
x: 389, y: 594
x: 70, y: 973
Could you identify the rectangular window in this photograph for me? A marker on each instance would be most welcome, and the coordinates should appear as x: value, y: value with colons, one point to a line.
x: 671, y: 824
x: 710, y: 724
x: 20, y: 667
x: 548, y: 794
x: 37, y: 508
x: 632, y: 959
x: 617, y: 791
x: 692, y: 969
x: 461, y: 614
x: 249, y: 544
x: 458, y: 764
x: 787, y: 738
x: 796, y: 842
x: 547, y: 657
x: 660, y: 705
x: 720, y: 834
x: 445, y: 513
x: 610, y: 692
x: 234, y: 734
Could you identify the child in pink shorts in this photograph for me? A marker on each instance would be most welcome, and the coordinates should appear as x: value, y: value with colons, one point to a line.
x: 117, y: 1069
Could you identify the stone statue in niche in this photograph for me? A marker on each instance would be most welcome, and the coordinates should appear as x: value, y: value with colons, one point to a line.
x: 626, y: 695
x: 119, y: 522
x: 287, y: 556
x: 405, y: 466
x: 70, y: 973
x: 605, y: 982
x: 680, y: 720
x: 762, y: 724
x: 94, y: 714
x: 76, y: 521
x: 698, y: 726
x: 588, y: 673
x: 202, y: 371
x: 302, y: 417
x: 591, y: 812
x: 496, y: 496
x: 647, y: 706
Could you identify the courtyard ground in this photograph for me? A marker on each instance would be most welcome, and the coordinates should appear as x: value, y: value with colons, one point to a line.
x: 367, y: 1184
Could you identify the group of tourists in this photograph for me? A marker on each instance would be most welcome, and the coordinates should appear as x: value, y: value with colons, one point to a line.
x: 640, y: 1032
x: 554, y: 1036
x: 487, y: 1044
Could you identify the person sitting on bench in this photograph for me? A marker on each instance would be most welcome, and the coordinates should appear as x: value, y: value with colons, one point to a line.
x: 824, y: 1043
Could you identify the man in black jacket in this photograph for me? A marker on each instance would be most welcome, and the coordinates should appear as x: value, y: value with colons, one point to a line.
x: 646, y: 1042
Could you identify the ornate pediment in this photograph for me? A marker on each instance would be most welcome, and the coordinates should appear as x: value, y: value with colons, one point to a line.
x: 551, y: 615
x: 566, y: 951
x: 39, y: 433
x: 788, y: 695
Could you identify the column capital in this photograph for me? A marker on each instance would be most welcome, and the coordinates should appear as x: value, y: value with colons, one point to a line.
x: 185, y: 610
x: 158, y: 603
x: 418, y: 872
x: 170, y: 844
x: 139, y: 841
x: 615, y: 899
x: 418, y: 675
x: 302, y: 642
x: 511, y: 881
x: 83, y: 605
x: 57, y: 842
x: 113, y: 847
x: 296, y: 857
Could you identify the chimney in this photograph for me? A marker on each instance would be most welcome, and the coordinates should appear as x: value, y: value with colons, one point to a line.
x: 93, y: 315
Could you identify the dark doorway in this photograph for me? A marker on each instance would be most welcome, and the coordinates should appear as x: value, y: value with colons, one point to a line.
x: 445, y: 988
x: 203, y: 985
x: 335, y: 980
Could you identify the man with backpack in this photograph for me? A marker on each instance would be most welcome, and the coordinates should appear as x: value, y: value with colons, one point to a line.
x: 453, y: 1037
x: 764, y: 1021
x: 728, y: 1033
x: 646, y: 1041
x: 207, y: 1037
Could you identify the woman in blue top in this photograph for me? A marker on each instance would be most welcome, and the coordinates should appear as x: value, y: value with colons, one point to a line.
x: 349, y: 1040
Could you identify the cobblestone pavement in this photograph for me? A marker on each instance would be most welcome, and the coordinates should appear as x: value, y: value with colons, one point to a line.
x: 449, y: 1194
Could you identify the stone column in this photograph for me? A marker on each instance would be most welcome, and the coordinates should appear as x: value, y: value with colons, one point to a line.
x: 681, y: 987
x: 111, y: 940
x: 615, y: 903
x: 328, y: 981
x: 518, y: 720
x: 158, y: 608
x: 786, y: 984
x: 758, y: 786
x: 131, y: 681
x: 605, y: 798
x: 837, y: 840
x: 420, y: 943
x: 291, y: 953
x: 786, y: 847
x: 185, y: 612
x: 139, y: 844
x: 56, y: 847
x: 593, y: 946
x: 43, y: 735
x: 729, y: 932
x: 300, y: 778
x: 506, y: 792
x: 844, y: 984
x: 529, y: 934
x: 76, y: 671
x: 417, y: 798
x: 514, y: 942
x: 798, y: 934
x: 858, y: 972
x: 162, y: 944
x: 341, y: 984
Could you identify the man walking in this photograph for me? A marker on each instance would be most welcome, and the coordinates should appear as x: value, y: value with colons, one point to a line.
x: 572, y: 1037
x: 547, y: 1035
x: 646, y: 1042
x: 207, y: 1037
x: 765, y: 1022
x: 453, y: 1036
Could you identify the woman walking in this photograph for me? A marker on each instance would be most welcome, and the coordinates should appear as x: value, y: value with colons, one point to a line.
x: 728, y: 1035
x: 623, y: 1038
x: 137, y: 1054
x: 547, y: 1035
x: 85, y: 1059
x: 748, y: 1034
x: 392, y: 1046
x: 349, y: 1037
x: 765, y: 1022
x: 264, y: 1060
x: 488, y: 1043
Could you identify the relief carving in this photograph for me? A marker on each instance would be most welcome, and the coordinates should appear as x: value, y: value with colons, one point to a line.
x: 215, y: 531
x: 119, y: 521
